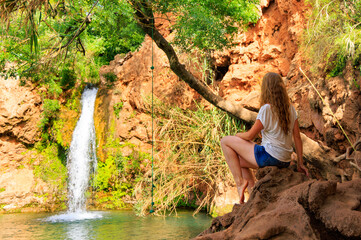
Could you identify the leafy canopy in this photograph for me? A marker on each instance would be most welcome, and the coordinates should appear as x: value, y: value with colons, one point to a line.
x: 207, y: 24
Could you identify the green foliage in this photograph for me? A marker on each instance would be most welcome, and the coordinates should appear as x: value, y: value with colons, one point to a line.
x: 115, y: 24
x: 338, y: 65
x: 117, y: 175
x: 117, y: 108
x: 68, y: 78
x: 354, y: 82
x: 51, y: 168
x: 54, y: 89
x: 105, y: 173
x: 110, y: 79
x: 334, y: 34
x: 188, y: 159
x: 208, y: 24
x: 2, y: 189
x: 50, y: 110
x: 59, y: 45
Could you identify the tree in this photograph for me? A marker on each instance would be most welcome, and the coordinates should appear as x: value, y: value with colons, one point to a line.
x: 203, y: 25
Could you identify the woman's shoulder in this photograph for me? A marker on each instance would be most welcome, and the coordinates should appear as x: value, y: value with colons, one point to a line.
x: 265, y: 107
x: 293, y: 110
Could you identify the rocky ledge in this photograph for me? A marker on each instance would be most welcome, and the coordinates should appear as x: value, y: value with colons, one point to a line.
x: 284, y: 204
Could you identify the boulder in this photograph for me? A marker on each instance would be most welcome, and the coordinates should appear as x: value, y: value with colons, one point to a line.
x: 284, y: 204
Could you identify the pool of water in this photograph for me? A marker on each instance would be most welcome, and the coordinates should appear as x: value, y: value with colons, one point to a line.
x: 102, y: 225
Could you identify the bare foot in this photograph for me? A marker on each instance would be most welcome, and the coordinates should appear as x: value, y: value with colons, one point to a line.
x: 241, y: 190
x: 250, y: 187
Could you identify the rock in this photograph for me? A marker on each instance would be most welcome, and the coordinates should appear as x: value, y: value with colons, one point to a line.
x: 285, y: 205
x: 251, y: 101
x: 337, y: 88
x: 225, y: 198
x: 19, y: 112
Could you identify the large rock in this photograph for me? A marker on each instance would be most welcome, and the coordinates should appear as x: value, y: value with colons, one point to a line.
x: 286, y: 205
x: 270, y: 45
x: 20, y: 113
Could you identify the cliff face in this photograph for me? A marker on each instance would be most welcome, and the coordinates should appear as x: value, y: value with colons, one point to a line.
x: 19, y: 118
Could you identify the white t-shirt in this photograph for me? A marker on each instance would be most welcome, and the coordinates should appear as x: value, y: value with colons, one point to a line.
x: 275, y: 142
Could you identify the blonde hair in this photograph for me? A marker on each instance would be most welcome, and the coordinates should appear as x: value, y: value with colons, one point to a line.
x: 273, y: 92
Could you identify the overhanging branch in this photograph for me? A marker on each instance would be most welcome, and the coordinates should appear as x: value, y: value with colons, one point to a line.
x: 145, y: 17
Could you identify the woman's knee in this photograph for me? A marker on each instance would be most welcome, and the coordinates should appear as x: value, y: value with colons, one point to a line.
x: 225, y: 140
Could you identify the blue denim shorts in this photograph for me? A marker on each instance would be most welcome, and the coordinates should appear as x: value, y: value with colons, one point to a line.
x: 264, y: 159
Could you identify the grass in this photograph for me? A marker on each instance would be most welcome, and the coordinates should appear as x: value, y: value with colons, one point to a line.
x: 188, y: 161
x: 333, y: 35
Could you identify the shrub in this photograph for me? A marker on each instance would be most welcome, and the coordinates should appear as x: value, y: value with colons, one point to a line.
x: 50, y: 110
x: 110, y: 79
x: 333, y: 34
x: 117, y: 108
x: 188, y: 159
x: 68, y: 78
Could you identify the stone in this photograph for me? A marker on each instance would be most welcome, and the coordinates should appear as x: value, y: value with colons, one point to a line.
x: 252, y: 101
x: 286, y: 205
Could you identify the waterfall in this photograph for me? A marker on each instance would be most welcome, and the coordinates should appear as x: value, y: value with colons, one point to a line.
x: 81, y: 155
x: 80, y: 162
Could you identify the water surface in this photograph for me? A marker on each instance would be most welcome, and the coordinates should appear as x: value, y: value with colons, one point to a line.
x: 111, y: 225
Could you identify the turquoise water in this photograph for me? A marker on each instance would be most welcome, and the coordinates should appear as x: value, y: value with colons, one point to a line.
x: 110, y: 225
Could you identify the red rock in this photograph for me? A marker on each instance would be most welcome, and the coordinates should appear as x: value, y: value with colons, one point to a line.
x: 285, y: 205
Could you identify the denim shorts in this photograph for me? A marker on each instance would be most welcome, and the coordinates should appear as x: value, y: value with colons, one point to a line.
x: 264, y: 159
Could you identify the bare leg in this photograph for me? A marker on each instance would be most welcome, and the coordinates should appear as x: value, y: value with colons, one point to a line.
x: 249, y: 177
x: 239, y: 155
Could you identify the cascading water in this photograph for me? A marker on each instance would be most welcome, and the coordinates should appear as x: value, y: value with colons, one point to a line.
x: 81, y: 156
x: 81, y: 160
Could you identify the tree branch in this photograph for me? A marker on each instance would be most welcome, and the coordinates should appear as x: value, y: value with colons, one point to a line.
x: 145, y: 17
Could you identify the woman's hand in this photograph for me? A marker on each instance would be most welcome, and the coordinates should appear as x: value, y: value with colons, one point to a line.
x: 252, y: 133
x: 301, y: 168
x: 240, y: 135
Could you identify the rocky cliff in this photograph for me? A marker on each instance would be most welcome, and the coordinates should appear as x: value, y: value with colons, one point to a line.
x: 19, y: 118
x: 286, y: 205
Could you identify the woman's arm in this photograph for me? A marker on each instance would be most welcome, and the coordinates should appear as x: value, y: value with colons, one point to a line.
x: 299, y: 149
x: 253, y: 132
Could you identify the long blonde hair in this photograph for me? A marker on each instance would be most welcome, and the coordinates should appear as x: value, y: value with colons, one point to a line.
x: 273, y: 92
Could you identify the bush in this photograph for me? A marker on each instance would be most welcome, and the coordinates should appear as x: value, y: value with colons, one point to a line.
x: 68, y: 78
x: 110, y: 78
x: 117, y: 108
x: 50, y: 112
x: 51, y: 168
x: 333, y: 35
x: 188, y: 159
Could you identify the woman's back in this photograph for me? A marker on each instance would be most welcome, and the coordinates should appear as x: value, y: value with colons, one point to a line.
x: 276, y: 142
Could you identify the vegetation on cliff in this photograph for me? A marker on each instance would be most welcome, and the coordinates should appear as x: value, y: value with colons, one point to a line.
x: 333, y: 36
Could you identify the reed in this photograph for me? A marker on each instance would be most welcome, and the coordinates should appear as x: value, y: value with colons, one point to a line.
x: 188, y: 161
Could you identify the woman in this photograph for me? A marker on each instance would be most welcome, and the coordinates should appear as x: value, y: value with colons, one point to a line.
x: 277, y: 122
